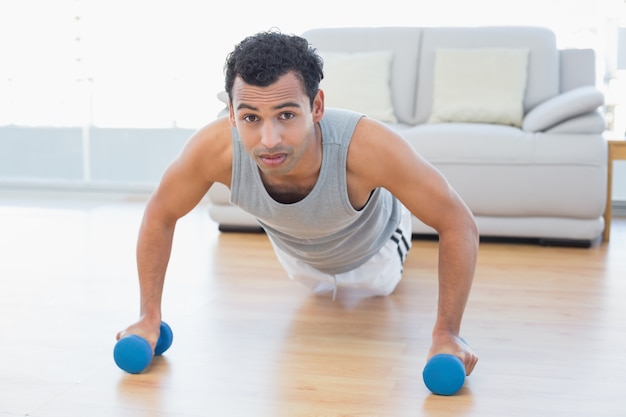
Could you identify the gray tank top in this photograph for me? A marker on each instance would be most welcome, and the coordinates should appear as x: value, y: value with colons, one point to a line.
x: 322, y: 229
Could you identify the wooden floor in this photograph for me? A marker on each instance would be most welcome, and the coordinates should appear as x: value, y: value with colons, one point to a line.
x: 548, y: 323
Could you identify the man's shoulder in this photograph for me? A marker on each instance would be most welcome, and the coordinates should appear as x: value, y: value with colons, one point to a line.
x: 362, y: 124
x: 374, y: 132
x: 213, y: 138
x: 218, y: 130
x: 372, y: 143
x: 210, y: 149
x: 334, y: 115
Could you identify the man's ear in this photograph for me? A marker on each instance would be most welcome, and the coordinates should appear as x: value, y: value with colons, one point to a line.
x: 318, y: 106
x: 231, y: 114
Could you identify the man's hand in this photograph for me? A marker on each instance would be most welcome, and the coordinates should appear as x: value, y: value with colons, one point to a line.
x: 454, y: 345
x: 148, y: 329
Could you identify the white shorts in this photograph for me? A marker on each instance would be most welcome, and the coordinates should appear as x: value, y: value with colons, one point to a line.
x: 378, y: 276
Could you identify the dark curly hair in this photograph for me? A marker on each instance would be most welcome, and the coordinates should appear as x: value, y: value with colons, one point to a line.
x: 263, y: 58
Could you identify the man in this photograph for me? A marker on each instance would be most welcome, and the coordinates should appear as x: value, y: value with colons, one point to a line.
x: 331, y: 189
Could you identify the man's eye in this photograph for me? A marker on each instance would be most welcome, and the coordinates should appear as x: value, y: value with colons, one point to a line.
x: 250, y: 118
x: 287, y: 116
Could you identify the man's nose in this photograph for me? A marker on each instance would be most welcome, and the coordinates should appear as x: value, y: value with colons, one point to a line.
x: 270, y: 136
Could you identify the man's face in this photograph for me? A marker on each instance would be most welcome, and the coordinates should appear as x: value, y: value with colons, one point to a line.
x: 276, y: 123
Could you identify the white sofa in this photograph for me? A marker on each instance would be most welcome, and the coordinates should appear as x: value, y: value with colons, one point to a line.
x: 514, y: 123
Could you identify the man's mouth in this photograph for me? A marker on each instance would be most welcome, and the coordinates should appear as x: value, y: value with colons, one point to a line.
x: 273, y: 159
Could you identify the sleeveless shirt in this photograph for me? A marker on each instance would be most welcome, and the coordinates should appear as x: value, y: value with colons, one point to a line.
x: 323, y: 229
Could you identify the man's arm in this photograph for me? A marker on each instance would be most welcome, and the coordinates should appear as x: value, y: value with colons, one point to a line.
x: 458, y: 248
x: 378, y: 157
x: 205, y: 159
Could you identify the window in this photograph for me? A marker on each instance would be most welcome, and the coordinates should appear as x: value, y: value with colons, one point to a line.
x: 159, y: 64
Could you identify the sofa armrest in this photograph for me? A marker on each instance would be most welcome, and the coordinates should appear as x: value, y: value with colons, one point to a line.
x: 223, y: 97
x: 560, y: 108
x: 588, y: 123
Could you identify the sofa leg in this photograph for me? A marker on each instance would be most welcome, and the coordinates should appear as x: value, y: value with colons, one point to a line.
x: 584, y: 243
x: 227, y: 228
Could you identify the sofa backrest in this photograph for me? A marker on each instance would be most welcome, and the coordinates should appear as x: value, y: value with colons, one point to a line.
x: 578, y: 68
x: 414, y: 49
x: 405, y: 44
x: 543, y: 59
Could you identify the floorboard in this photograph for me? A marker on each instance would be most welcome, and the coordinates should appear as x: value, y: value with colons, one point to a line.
x: 549, y: 324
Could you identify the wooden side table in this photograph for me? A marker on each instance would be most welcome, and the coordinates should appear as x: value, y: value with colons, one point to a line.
x: 617, y: 151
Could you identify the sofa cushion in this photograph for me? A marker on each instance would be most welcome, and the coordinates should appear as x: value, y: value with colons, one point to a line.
x: 543, y: 59
x: 508, y: 172
x: 403, y: 41
x: 360, y: 82
x: 468, y: 143
x: 478, y: 143
x: 483, y: 85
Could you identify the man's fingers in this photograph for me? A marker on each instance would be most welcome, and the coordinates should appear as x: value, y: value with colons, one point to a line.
x: 470, y: 364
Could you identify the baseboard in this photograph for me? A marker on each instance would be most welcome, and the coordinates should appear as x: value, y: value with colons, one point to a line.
x: 56, y: 187
x: 111, y: 187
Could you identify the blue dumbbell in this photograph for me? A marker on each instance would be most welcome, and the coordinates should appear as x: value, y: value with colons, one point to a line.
x: 132, y: 353
x: 444, y: 374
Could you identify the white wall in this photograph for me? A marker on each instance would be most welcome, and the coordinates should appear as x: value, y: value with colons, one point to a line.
x: 90, y: 67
